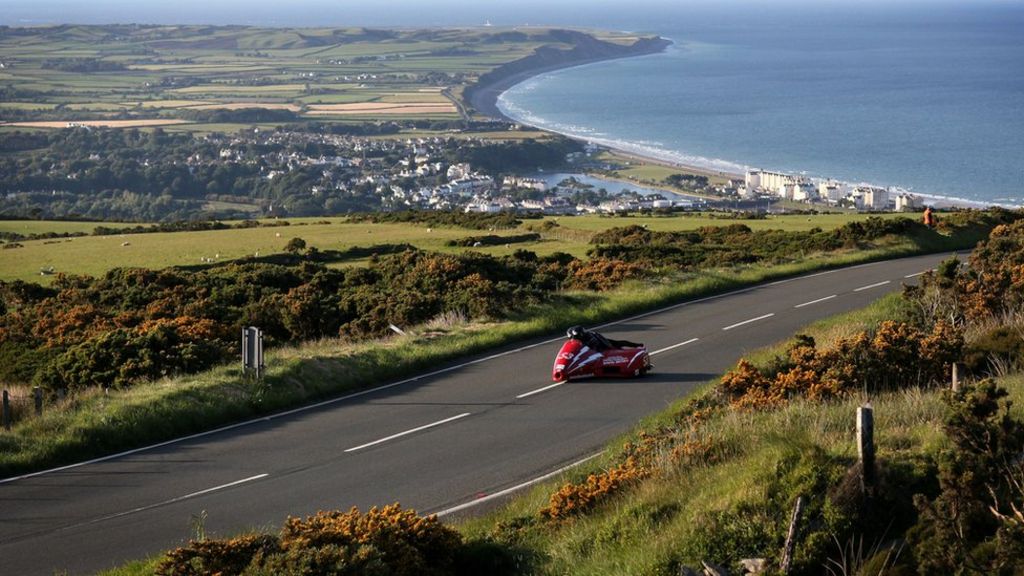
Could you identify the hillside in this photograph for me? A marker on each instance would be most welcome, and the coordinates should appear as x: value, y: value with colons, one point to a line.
x: 711, y: 483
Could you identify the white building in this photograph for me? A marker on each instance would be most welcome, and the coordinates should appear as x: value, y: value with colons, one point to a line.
x: 875, y: 198
x: 804, y: 192
x: 531, y: 183
x: 458, y: 171
x: 907, y: 203
x: 831, y: 191
x: 770, y: 181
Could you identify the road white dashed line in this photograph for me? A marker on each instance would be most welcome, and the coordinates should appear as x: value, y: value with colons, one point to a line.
x: 539, y: 390
x: 407, y: 432
x: 815, y: 301
x: 875, y: 285
x: 667, y: 348
x: 738, y: 324
x: 915, y: 274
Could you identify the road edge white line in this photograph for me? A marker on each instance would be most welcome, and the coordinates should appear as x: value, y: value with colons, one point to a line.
x: 172, y: 500
x: 407, y: 432
x: 515, y: 488
x: 815, y: 301
x: 738, y: 324
x: 875, y: 285
x: 667, y: 348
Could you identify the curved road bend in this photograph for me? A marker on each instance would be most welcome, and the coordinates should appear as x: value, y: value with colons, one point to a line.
x: 431, y: 443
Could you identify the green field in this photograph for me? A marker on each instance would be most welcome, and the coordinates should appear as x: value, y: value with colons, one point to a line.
x: 94, y: 255
x: 105, y: 69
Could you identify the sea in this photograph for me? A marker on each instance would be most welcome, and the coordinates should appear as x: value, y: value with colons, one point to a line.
x: 929, y: 98
x: 926, y: 95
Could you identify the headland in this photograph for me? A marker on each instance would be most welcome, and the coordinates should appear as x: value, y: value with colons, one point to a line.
x: 483, y: 95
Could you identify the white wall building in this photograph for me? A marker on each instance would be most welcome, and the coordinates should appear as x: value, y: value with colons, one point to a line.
x: 875, y: 198
x: 771, y: 181
x: 831, y: 191
x: 907, y: 203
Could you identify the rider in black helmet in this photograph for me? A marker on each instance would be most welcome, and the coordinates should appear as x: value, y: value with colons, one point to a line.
x: 596, y: 340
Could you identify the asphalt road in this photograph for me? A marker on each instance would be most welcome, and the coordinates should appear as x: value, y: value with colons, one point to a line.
x: 433, y: 443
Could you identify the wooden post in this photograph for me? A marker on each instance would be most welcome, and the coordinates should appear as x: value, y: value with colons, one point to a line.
x: 7, y: 411
x: 866, y: 447
x: 37, y: 392
x: 956, y: 377
x: 791, y: 535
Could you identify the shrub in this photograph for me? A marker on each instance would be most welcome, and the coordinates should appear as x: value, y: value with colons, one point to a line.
x: 572, y: 499
x: 895, y: 356
x: 409, y: 544
x: 388, y: 541
x: 216, y: 557
x: 976, y: 523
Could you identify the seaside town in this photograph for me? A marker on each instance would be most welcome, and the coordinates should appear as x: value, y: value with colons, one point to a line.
x: 259, y: 173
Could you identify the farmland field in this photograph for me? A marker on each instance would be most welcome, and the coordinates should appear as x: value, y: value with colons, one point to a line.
x: 94, y: 255
x: 169, y: 73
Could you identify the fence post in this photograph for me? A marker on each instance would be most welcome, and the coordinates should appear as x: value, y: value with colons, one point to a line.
x: 7, y: 411
x: 794, y: 522
x: 866, y: 447
x: 37, y: 392
x: 956, y: 377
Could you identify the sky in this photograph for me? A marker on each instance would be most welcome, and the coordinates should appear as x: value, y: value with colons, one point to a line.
x: 413, y: 12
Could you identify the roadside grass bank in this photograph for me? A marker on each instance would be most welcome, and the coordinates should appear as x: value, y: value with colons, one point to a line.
x: 732, y: 498
x: 94, y: 424
x: 726, y: 491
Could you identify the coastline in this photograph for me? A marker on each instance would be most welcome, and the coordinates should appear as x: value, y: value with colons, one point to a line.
x: 483, y: 96
x: 484, y: 99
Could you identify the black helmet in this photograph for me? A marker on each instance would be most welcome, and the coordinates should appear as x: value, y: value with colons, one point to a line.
x: 575, y: 332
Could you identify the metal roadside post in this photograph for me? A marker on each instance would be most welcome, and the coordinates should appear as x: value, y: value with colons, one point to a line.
x: 866, y: 448
x: 7, y: 411
x: 252, y: 353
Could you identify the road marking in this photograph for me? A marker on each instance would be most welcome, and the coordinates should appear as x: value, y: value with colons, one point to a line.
x: 407, y: 432
x: 875, y: 285
x: 787, y: 280
x: 832, y: 271
x: 667, y: 348
x: 539, y: 390
x: 178, y: 499
x: 748, y: 321
x: 508, y: 491
x: 916, y: 274
x: 815, y: 301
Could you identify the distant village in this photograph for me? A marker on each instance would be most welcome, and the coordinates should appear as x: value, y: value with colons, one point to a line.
x: 267, y: 173
x: 418, y: 173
